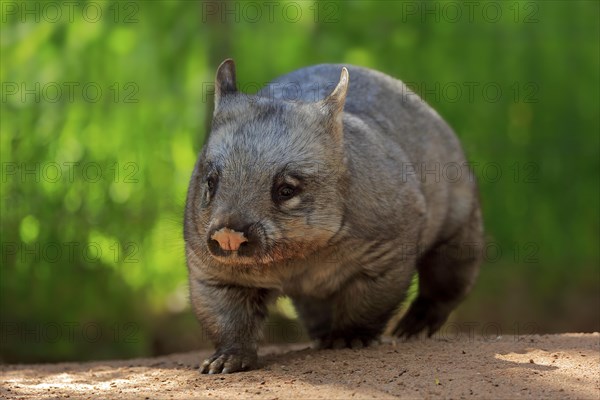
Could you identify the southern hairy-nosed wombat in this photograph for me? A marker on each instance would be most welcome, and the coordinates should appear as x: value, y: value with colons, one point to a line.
x: 334, y: 198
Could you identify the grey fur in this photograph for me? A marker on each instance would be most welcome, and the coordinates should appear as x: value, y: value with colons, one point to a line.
x: 371, y: 211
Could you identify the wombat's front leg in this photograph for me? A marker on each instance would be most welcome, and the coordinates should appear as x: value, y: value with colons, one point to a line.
x: 361, y: 310
x: 232, y: 316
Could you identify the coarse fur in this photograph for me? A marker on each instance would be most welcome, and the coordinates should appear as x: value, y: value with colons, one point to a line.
x: 380, y: 189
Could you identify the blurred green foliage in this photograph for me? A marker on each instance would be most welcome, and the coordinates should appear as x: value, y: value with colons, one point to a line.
x: 103, y: 114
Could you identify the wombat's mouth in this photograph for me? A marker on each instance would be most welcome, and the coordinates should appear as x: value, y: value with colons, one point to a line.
x: 235, y: 259
x: 247, y: 255
x: 271, y: 253
x: 235, y: 256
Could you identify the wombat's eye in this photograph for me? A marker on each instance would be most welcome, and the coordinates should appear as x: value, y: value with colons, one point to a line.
x: 285, y: 192
x: 211, y: 183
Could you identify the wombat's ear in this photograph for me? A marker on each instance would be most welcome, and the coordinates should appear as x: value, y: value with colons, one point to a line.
x: 224, y: 81
x: 334, y: 103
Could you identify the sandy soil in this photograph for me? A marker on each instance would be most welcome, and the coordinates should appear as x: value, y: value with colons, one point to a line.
x: 551, y: 366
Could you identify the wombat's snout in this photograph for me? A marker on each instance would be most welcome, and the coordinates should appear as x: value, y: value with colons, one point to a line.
x: 229, y: 239
x: 225, y: 240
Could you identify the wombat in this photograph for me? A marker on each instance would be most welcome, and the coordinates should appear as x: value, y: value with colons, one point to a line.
x: 333, y: 190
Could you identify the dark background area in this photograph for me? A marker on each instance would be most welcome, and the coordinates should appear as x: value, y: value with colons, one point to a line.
x: 105, y: 106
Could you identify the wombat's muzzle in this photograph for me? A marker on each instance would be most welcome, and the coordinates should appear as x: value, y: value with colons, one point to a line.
x: 234, y: 239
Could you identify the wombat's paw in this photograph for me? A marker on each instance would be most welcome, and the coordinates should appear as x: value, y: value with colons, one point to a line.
x: 343, y: 342
x: 228, y: 362
x: 422, y: 314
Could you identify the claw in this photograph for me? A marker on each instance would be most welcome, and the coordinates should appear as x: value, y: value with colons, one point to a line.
x: 342, y: 342
x: 226, y: 363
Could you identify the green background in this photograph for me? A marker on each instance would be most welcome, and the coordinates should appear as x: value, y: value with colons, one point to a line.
x: 103, y: 115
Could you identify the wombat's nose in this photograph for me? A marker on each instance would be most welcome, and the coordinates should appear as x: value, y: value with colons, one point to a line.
x: 233, y: 238
x: 228, y: 239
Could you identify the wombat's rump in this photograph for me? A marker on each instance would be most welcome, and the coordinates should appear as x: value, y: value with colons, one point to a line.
x: 327, y: 188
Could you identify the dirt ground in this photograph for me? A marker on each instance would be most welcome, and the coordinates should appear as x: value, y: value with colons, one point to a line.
x: 563, y: 366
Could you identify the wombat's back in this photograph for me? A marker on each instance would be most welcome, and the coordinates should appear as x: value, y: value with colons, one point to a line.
x: 382, y: 102
x: 391, y: 110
